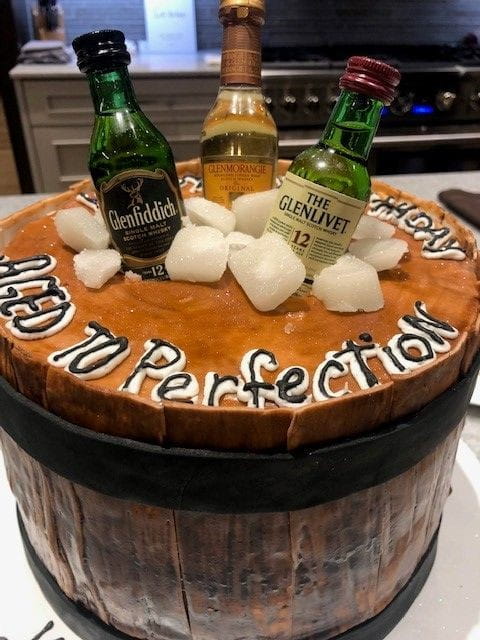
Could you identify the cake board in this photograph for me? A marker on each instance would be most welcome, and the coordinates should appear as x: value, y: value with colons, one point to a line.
x: 447, y: 607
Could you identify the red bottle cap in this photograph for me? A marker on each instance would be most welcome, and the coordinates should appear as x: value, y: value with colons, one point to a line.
x: 371, y: 77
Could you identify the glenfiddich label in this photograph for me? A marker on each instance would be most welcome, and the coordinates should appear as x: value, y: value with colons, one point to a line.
x: 143, y: 212
x: 225, y: 181
x: 317, y: 223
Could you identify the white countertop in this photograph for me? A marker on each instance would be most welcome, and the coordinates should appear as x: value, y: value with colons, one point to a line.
x: 205, y: 62
x: 428, y: 185
x: 141, y: 65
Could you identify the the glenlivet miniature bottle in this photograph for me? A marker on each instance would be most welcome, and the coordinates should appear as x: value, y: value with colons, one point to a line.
x: 327, y: 186
x: 239, y: 144
x: 131, y: 163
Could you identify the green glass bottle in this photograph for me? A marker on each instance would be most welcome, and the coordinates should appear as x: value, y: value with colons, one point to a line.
x: 326, y: 188
x: 131, y: 163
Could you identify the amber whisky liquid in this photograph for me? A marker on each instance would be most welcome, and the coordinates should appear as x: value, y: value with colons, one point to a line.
x: 239, y: 150
x: 239, y: 137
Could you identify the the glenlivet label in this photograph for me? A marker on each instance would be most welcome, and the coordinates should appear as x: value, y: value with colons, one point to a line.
x: 142, y: 210
x: 317, y: 223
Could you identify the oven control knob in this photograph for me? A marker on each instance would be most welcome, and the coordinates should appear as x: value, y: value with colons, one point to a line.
x: 312, y: 102
x: 444, y: 100
x: 402, y: 104
x: 475, y: 101
x: 289, y: 102
x: 269, y: 102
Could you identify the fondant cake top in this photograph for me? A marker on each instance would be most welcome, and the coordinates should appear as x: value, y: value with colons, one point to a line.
x: 197, y: 365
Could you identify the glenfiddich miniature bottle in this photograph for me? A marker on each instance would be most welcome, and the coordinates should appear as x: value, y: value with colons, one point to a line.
x: 239, y: 144
x: 326, y: 187
x: 131, y: 163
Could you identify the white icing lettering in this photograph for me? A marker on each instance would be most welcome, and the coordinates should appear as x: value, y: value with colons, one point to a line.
x: 86, y: 200
x: 33, y: 301
x: 422, y: 337
x: 25, y: 268
x: 255, y: 390
x: 402, y: 346
x: 43, y: 323
x: 182, y: 387
x: 94, y: 357
x: 326, y: 371
x: 390, y: 361
x: 156, y: 350
x: 46, y: 310
x: 291, y: 386
x: 438, y: 242
x: 196, y: 183
x: 425, y: 325
x: 216, y: 387
x: 355, y: 357
x: 13, y: 290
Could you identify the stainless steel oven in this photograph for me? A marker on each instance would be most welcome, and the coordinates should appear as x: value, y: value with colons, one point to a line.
x: 433, y: 125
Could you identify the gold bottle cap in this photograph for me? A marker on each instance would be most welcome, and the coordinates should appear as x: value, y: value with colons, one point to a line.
x: 251, y: 4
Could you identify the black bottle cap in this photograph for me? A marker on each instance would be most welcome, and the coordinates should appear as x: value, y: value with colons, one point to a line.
x: 100, y: 50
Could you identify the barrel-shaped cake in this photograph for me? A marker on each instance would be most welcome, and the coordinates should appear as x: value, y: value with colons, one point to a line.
x: 187, y: 467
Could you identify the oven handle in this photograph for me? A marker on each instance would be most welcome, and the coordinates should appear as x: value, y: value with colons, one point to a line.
x: 422, y: 139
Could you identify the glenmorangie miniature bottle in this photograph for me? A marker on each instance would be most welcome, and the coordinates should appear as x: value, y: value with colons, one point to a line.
x: 239, y: 138
x: 327, y: 186
x: 131, y: 163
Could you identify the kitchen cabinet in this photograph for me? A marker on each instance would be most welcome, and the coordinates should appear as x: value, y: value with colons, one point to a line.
x: 8, y: 175
x: 57, y: 120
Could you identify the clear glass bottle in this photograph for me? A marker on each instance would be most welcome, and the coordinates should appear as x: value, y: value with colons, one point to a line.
x: 327, y: 186
x: 239, y: 143
x: 131, y: 162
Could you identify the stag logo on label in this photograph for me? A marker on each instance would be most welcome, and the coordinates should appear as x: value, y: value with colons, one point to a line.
x: 133, y: 189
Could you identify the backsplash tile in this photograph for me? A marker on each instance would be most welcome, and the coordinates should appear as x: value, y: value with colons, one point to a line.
x: 328, y: 22
x: 294, y: 23
x: 88, y: 15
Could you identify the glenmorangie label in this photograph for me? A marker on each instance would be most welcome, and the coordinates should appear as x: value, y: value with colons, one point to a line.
x: 143, y: 212
x: 317, y: 223
x: 227, y: 179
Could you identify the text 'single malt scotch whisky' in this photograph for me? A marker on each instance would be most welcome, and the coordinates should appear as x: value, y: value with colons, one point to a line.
x: 327, y: 186
x: 239, y: 144
x: 131, y: 163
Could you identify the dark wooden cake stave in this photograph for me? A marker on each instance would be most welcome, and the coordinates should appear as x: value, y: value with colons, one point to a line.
x: 161, y: 574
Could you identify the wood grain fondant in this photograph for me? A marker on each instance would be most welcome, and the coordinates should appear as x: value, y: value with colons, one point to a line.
x: 163, y: 574
x: 216, y: 325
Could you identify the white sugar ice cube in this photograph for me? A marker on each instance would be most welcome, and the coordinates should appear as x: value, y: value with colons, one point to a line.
x: 252, y: 211
x: 238, y: 240
x: 204, y: 212
x: 349, y: 285
x: 97, y: 214
x: 197, y: 254
x: 381, y: 254
x: 268, y: 271
x: 369, y: 227
x: 132, y: 276
x: 95, y: 266
x: 80, y: 230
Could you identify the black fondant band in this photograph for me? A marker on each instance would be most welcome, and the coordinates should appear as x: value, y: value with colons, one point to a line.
x: 223, y: 482
x: 89, y: 627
